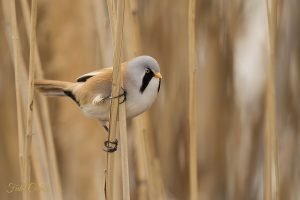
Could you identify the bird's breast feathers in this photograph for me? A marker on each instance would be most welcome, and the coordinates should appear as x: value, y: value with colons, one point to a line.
x: 138, y: 102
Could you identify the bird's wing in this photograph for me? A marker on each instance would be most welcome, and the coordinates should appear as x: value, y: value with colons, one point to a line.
x: 85, y: 77
x: 97, y: 85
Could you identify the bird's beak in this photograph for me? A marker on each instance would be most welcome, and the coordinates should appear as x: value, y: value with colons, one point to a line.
x: 158, y: 75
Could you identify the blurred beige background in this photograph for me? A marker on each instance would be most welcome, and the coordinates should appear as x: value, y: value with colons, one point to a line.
x: 74, y: 37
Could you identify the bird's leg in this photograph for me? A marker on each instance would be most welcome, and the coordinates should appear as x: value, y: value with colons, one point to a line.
x: 114, y: 143
x: 121, y: 95
x: 124, y: 95
x: 106, y: 128
x: 110, y: 146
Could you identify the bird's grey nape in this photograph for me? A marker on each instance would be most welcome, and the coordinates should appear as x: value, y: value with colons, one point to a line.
x: 146, y: 61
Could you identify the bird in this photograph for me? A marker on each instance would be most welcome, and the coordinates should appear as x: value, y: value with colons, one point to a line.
x: 92, y: 91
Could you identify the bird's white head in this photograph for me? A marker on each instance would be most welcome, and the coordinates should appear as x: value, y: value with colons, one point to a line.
x: 142, y: 70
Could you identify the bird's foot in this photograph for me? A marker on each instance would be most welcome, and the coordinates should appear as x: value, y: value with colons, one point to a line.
x: 124, y: 94
x: 111, y: 146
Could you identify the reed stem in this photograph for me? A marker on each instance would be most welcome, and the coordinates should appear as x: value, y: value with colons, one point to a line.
x: 193, y: 174
x: 147, y: 176
x: 271, y: 157
x: 54, y: 174
x: 117, y: 112
x: 112, y: 19
x: 28, y: 138
x: 16, y: 50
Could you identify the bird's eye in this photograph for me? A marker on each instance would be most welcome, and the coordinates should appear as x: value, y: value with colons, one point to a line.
x: 147, y: 70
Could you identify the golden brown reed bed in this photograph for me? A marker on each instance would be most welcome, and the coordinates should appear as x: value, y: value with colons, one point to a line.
x: 74, y: 37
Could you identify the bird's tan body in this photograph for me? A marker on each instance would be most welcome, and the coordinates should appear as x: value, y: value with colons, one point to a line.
x: 92, y: 94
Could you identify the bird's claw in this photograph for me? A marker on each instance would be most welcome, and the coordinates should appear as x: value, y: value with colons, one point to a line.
x: 99, y: 99
x: 111, y: 146
x: 124, y: 94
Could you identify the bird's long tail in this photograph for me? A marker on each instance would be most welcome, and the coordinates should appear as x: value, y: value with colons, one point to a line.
x: 54, y: 88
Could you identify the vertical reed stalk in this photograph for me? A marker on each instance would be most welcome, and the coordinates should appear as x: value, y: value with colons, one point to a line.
x: 101, y: 30
x: 192, y: 126
x: 115, y: 113
x: 40, y: 164
x: 54, y: 174
x: 133, y: 17
x: 26, y: 15
x: 124, y: 151
x: 109, y: 169
x: 112, y: 19
x: 141, y: 160
x: 270, y: 112
x: 16, y: 50
x: 148, y: 189
x: 28, y: 138
x: 133, y: 48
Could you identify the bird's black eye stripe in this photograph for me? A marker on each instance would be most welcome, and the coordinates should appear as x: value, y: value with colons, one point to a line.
x: 146, y: 79
x: 159, y: 85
